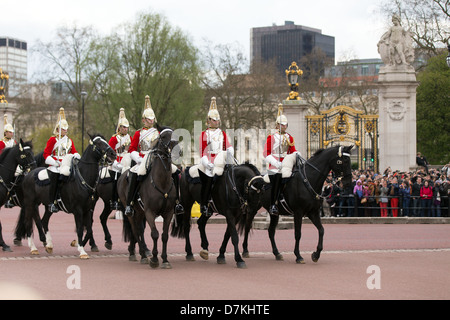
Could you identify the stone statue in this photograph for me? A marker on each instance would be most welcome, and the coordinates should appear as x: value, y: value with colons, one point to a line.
x: 395, y: 46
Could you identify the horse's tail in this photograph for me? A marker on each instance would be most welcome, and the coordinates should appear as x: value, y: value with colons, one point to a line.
x: 24, y: 225
x: 178, y: 225
x: 20, y: 231
x: 127, y: 232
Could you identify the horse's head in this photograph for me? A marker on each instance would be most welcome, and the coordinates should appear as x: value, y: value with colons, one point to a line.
x: 25, y: 156
x: 165, y: 143
x: 102, y: 149
x: 341, y: 164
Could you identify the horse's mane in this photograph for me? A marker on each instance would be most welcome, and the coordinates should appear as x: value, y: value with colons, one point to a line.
x: 252, y: 167
x: 5, y: 153
x: 319, y: 151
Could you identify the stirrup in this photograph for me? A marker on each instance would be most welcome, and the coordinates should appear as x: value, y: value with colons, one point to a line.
x: 273, y: 210
x: 53, y: 208
x: 179, y: 209
x: 9, y: 204
x: 114, y: 205
x: 129, y: 211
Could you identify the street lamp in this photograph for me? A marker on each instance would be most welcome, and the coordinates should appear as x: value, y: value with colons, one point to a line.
x: 3, y: 85
x: 292, y: 76
x: 83, y: 96
x: 448, y: 57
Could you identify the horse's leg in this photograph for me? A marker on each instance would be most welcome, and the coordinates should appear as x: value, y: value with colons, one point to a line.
x: 90, y: 234
x: 271, y: 231
x: 221, y: 257
x: 104, y: 220
x: 137, y: 236
x: 78, y: 216
x: 165, y: 239
x: 298, y: 235
x: 4, y: 246
x: 248, y: 226
x: 48, y: 244
x: 201, y: 222
x: 187, y: 230
x: 315, y: 218
x: 30, y: 211
x: 235, y: 241
x: 154, y: 262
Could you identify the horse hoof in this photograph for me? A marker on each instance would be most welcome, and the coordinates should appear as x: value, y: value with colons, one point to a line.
x: 279, y: 257
x: 241, y: 265
x: 132, y: 257
x: 221, y: 260
x: 49, y: 250
x: 166, y: 265
x: 73, y: 243
x: 204, y: 254
x: 315, y: 256
x: 300, y: 261
x: 6, y: 248
x: 154, y: 264
x: 94, y: 249
x: 34, y: 252
x: 108, y: 245
x: 144, y: 260
x: 245, y: 255
x: 17, y: 242
x: 190, y: 257
x: 84, y: 256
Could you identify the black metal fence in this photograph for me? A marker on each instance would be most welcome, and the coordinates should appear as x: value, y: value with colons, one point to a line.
x: 396, y: 206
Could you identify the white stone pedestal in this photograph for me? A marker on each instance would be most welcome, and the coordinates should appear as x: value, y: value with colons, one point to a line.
x: 295, y: 111
x: 397, y: 117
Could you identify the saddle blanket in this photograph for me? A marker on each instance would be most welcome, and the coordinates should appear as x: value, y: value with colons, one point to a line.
x: 64, y: 169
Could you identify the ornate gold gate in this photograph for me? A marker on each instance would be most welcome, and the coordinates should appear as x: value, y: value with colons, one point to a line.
x: 345, y: 126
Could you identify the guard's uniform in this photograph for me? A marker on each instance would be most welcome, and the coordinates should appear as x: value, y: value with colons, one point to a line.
x: 7, y: 143
x: 56, y: 149
x: 141, y: 143
x: 120, y: 144
x: 278, y: 146
x: 212, y: 142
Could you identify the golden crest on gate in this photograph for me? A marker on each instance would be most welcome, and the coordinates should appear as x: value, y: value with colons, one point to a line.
x: 341, y: 125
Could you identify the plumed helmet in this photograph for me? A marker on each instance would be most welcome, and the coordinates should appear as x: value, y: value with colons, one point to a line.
x: 281, y: 118
x: 148, y: 111
x: 61, y: 121
x: 122, y: 119
x: 7, y: 126
x: 213, y: 113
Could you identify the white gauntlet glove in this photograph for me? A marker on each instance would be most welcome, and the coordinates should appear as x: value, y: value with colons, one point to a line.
x: 271, y: 159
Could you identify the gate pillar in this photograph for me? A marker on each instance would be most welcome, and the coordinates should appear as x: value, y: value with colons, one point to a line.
x: 295, y: 111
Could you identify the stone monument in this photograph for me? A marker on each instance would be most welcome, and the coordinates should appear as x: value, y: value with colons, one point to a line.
x: 397, y: 100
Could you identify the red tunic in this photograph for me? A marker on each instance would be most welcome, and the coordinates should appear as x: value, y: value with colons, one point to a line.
x: 113, y: 143
x: 3, y: 145
x: 136, y: 140
x: 278, y: 152
x: 50, y: 149
x: 212, y: 149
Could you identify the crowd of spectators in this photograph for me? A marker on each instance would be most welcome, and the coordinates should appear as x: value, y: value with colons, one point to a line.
x: 420, y: 193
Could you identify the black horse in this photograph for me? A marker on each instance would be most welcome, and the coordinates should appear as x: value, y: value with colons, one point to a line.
x: 20, y: 155
x: 76, y: 194
x: 158, y: 194
x: 302, y: 197
x: 234, y: 196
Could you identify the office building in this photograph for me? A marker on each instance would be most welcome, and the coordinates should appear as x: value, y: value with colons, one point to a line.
x: 288, y: 43
x: 13, y: 60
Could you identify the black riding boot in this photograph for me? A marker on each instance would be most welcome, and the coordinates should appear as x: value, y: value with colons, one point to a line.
x: 53, y: 190
x: 115, y: 197
x: 207, y: 183
x: 132, y: 187
x: 176, y: 181
x: 275, y: 181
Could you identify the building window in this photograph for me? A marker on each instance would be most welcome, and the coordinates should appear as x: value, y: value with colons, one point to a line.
x: 2, y: 42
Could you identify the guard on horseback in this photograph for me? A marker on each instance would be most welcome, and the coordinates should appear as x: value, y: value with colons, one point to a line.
x: 277, y: 146
x: 57, y: 147
x: 212, y: 141
x: 119, y: 142
x: 141, y: 144
x: 7, y: 142
x: 8, y: 139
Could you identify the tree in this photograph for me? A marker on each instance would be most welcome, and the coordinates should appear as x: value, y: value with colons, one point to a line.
x: 433, y: 111
x: 149, y: 57
x: 428, y: 21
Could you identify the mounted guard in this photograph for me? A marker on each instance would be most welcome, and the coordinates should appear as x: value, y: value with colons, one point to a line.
x: 120, y: 143
x: 57, y: 147
x: 277, y: 147
x: 141, y: 144
x: 8, y: 138
x: 212, y: 142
